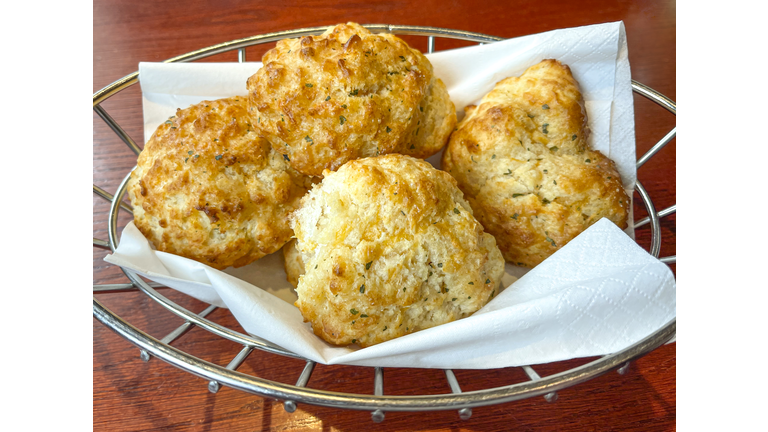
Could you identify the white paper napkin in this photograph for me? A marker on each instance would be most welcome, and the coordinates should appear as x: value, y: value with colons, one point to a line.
x: 598, y: 294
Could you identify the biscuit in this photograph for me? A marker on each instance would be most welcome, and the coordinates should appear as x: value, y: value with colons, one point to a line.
x: 294, y: 266
x: 208, y: 188
x: 347, y: 94
x: 390, y: 247
x: 522, y: 160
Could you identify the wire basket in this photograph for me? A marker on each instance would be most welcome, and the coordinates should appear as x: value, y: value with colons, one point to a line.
x: 378, y: 403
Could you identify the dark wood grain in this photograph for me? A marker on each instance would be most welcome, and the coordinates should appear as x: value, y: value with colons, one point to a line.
x: 129, y: 394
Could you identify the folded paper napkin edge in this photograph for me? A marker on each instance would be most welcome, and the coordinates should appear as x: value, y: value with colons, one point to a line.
x: 421, y: 348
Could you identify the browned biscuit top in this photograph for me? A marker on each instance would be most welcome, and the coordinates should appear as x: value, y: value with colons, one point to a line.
x: 346, y: 94
x: 207, y: 187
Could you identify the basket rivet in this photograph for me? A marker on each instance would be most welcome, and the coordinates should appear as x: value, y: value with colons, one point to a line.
x: 289, y: 406
x: 144, y: 355
x: 377, y: 416
x: 550, y: 397
x: 213, y: 387
x: 465, y: 413
x: 623, y: 369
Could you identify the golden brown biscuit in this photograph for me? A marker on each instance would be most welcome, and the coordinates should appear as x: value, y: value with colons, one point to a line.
x: 294, y: 266
x: 207, y: 187
x: 523, y: 162
x: 347, y: 94
x: 390, y: 247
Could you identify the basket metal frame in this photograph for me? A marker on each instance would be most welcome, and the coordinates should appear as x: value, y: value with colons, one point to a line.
x: 378, y: 403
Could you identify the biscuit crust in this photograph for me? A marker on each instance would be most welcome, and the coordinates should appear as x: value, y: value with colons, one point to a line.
x: 347, y: 94
x: 209, y: 188
x: 522, y: 159
x: 390, y: 247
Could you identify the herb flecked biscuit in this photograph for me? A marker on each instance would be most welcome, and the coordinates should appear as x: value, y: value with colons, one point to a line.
x: 390, y: 247
x: 347, y: 94
x: 207, y: 187
x: 523, y: 162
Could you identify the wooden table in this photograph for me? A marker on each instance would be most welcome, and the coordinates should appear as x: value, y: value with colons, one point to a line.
x: 130, y: 394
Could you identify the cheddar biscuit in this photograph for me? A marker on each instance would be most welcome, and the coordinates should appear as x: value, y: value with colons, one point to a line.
x: 209, y: 188
x: 522, y: 160
x: 347, y: 94
x: 390, y: 247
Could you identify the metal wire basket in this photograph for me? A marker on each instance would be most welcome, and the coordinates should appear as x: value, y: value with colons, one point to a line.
x: 378, y: 403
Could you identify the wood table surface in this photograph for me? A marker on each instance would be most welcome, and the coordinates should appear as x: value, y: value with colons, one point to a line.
x: 130, y: 394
